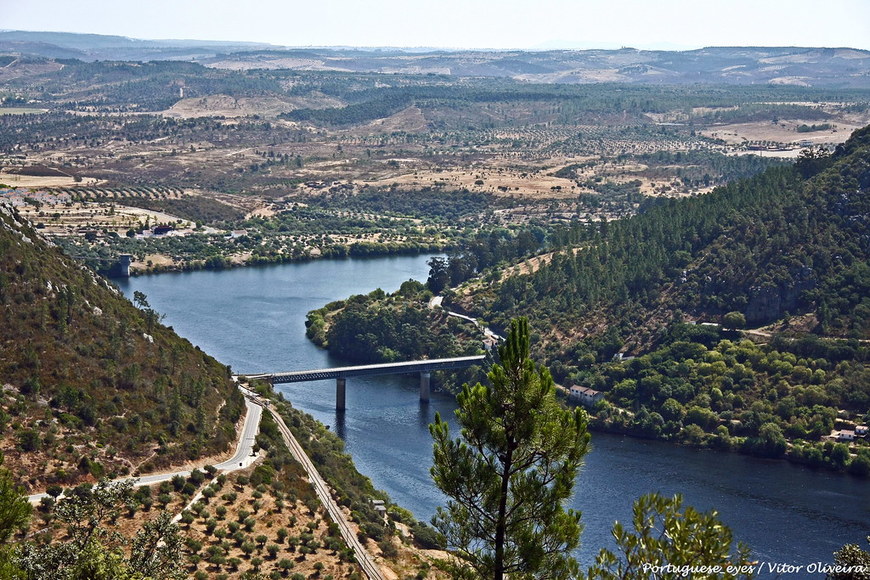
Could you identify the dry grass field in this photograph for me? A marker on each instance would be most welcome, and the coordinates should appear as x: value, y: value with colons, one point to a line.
x: 57, y: 213
x: 43, y: 181
x: 784, y: 133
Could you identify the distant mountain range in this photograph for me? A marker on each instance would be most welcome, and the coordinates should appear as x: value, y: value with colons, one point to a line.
x: 819, y: 67
x: 90, y: 47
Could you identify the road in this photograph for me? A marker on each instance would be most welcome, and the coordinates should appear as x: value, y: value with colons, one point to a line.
x: 242, y: 458
x: 438, y: 302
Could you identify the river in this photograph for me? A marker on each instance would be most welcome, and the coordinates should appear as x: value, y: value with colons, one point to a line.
x: 253, y: 319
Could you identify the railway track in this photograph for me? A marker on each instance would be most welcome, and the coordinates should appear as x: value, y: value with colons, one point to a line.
x: 371, y: 570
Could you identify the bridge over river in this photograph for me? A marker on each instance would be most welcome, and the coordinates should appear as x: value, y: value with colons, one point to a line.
x: 341, y: 374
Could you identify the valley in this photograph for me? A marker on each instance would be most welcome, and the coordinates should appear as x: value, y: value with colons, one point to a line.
x: 238, y: 149
x: 685, y: 231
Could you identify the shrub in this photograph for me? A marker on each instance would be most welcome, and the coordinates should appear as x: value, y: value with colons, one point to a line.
x: 427, y: 537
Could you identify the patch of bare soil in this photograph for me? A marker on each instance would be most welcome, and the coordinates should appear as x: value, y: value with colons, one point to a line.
x: 497, y: 181
x: 39, y: 181
x: 227, y: 106
x: 151, y: 261
x: 27, y: 67
x: 783, y: 132
x: 410, y: 120
x: 533, y: 264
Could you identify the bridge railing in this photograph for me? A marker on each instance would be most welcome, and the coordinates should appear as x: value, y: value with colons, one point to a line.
x: 427, y: 365
x: 341, y: 374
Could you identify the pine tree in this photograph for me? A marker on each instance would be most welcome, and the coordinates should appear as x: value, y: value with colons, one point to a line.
x: 511, y: 471
x: 672, y: 541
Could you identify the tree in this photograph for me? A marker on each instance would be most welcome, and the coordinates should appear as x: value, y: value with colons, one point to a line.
x: 734, y: 319
x: 14, y: 516
x: 94, y: 549
x: 813, y: 160
x: 439, y: 275
x: 511, y: 471
x: 140, y: 300
x: 156, y: 549
x: 671, y: 542
x: 14, y: 507
x: 769, y: 443
x: 152, y: 317
x: 853, y: 563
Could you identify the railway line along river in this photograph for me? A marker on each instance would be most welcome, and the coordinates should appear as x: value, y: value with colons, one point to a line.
x: 253, y: 319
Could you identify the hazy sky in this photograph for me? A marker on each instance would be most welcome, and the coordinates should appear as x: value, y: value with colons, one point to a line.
x: 669, y: 24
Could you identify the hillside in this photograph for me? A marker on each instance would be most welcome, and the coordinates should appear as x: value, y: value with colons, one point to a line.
x: 786, y: 251
x: 789, y: 241
x: 109, y: 47
x: 650, y: 311
x: 801, y: 66
x: 93, y: 386
x: 841, y: 67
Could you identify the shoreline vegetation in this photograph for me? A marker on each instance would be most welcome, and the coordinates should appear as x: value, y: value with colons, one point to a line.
x: 153, y: 264
x: 386, y: 320
x: 662, y: 317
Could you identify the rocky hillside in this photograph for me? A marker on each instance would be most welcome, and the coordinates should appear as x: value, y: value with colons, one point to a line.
x: 91, y: 385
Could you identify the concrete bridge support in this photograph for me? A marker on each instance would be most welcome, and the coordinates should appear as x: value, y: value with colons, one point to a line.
x: 124, y: 261
x: 340, y: 388
x: 425, y: 378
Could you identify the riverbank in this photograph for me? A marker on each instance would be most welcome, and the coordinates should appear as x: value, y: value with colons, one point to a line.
x: 254, y: 319
x: 153, y: 263
x: 203, y: 251
x: 805, y: 428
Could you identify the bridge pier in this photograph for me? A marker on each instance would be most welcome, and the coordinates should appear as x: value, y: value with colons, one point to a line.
x: 340, y: 388
x: 341, y: 374
x: 425, y: 377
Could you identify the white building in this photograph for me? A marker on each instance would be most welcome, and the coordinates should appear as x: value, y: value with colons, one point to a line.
x: 585, y: 395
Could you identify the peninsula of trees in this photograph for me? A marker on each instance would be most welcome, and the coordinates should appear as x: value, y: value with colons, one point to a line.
x: 651, y: 311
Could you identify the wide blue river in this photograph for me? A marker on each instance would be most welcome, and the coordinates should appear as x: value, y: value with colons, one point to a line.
x: 254, y: 320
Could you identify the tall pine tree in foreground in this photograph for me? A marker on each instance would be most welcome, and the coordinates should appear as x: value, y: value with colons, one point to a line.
x: 508, y: 475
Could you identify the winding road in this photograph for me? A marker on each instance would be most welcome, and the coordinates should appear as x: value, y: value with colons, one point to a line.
x: 245, y: 456
x: 242, y: 458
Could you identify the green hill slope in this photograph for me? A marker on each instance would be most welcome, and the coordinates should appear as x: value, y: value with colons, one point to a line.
x: 787, y: 251
x: 791, y: 240
x: 649, y: 311
x: 91, y: 385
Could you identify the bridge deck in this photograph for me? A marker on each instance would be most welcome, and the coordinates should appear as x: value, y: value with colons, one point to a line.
x: 368, y: 370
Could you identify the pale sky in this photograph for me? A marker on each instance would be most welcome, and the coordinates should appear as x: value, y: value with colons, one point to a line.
x: 527, y: 24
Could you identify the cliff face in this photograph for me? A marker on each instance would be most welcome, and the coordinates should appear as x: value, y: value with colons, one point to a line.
x: 91, y: 385
x: 772, y: 301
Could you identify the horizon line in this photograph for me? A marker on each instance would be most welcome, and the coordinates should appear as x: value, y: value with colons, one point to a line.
x: 557, y: 45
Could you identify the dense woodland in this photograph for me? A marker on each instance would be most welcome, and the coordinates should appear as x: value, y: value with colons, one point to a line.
x: 789, y: 246
x: 763, y: 246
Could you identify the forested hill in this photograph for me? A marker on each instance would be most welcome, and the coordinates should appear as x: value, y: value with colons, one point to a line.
x: 784, y: 253
x: 788, y: 242
x: 91, y: 385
